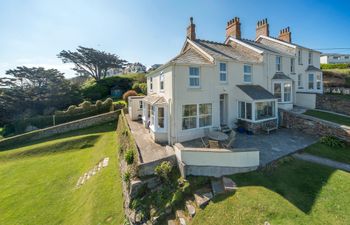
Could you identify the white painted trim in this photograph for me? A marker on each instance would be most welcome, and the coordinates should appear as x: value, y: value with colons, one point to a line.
x: 201, y: 50
x: 244, y: 44
x: 277, y: 41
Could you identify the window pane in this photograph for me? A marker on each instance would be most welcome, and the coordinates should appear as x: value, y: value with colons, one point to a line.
x: 205, y: 121
x: 189, y: 110
x: 222, y: 76
x: 161, y: 117
x: 247, y: 78
x: 222, y: 66
x: 287, y: 92
x: 247, y: 69
x: 189, y: 123
x: 194, y: 82
x: 194, y: 71
x: 264, y: 110
x: 311, y: 81
x: 277, y: 91
x: 249, y: 111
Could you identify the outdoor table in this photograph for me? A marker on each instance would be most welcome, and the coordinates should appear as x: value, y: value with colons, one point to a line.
x: 217, y: 135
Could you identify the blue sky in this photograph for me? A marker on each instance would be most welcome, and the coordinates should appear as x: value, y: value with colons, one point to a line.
x: 33, y: 32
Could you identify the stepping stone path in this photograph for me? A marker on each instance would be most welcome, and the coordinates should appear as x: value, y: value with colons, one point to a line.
x: 181, y: 216
x: 190, y: 208
x: 103, y: 163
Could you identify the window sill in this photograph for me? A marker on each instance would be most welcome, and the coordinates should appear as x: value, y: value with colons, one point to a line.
x: 194, y: 87
x: 223, y: 82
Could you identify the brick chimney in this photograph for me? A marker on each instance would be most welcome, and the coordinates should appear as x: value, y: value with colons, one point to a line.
x: 285, y: 35
x: 191, y: 30
x: 233, y: 28
x: 262, y: 28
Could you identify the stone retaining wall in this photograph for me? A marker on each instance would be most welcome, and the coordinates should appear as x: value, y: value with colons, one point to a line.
x: 312, y: 125
x: 333, y: 103
x: 59, y: 129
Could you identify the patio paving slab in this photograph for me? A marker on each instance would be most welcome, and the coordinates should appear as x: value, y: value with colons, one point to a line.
x: 276, y: 144
x: 149, y: 150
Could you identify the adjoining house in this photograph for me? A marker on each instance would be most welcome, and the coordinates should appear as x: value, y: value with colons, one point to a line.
x: 213, y: 86
x: 334, y: 58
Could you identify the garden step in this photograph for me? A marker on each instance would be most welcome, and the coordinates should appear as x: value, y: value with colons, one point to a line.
x: 190, y: 208
x: 202, y: 197
x: 217, y: 186
x: 229, y: 184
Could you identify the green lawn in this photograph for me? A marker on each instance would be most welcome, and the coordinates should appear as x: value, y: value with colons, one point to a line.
x: 337, y: 154
x: 295, y: 192
x: 38, y: 181
x: 329, y: 116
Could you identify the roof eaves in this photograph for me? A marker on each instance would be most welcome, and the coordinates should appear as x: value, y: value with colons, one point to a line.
x: 211, y: 58
x: 159, y: 69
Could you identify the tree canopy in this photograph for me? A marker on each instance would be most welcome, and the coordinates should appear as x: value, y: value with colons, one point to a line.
x: 30, y: 91
x: 92, y: 62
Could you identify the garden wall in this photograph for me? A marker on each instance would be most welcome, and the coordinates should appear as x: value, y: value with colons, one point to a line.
x: 312, y: 125
x: 333, y: 103
x: 62, y: 128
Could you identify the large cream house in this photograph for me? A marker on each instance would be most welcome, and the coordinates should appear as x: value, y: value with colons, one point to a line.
x: 211, y: 85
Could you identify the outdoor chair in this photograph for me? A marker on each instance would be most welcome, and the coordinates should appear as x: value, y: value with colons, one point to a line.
x: 269, y: 126
x: 205, y: 145
x: 231, y: 139
x: 213, y: 144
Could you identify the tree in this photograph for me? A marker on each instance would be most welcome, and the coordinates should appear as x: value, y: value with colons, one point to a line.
x: 92, y: 62
x: 32, y: 91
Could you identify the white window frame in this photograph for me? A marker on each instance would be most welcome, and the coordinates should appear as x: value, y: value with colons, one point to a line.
x: 151, y: 83
x: 278, y: 63
x: 161, y: 81
x: 318, y: 81
x: 282, y: 84
x: 223, y: 73
x: 253, y: 110
x: 197, y: 116
x: 245, y: 110
x: 292, y: 65
x: 300, y: 81
x: 312, y: 80
x: 191, y: 76
x: 310, y: 59
x: 300, y: 57
x: 160, y: 118
x: 247, y: 74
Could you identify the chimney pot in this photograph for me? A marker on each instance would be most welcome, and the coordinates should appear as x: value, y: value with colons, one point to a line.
x: 233, y: 28
x: 191, y: 30
x: 285, y: 35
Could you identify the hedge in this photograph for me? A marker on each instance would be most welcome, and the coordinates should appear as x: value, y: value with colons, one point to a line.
x: 335, y: 66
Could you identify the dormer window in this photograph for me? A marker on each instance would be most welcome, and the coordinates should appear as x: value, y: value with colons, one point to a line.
x: 278, y: 63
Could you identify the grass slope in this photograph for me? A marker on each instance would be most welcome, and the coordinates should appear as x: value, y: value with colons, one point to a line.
x: 295, y: 192
x: 329, y: 117
x: 337, y: 154
x: 38, y: 180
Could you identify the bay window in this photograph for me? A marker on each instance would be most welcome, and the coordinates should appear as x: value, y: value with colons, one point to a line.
x: 318, y: 82
x: 311, y: 83
x: 277, y: 90
x: 245, y: 110
x: 282, y: 90
x: 160, y: 117
x: 194, y: 77
x: 223, y: 72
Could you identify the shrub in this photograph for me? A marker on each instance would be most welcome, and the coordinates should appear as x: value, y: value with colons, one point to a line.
x: 177, y: 198
x: 127, y: 177
x: 86, y: 105
x: 121, y: 104
x: 140, y: 87
x: 98, y: 104
x: 335, y: 66
x: 163, y: 170
x: 332, y: 142
x: 129, y: 156
x: 129, y: 93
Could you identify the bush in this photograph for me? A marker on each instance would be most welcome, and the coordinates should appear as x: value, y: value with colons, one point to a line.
x: 121, y: 104
x: 129, y: 93
x: 163, y: 170
x: 127, y: 177
x: 332, y: 142
x: 177, y: 198
x: 86, y: 105
x: 98, y: 104
x: 335, y: 66
x: 129, y: 156
x: 140, y: 87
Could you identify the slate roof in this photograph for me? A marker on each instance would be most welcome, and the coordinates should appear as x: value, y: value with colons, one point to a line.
x: 256, y: 92
x: 222, y: 51
x: 280, y: 76
x: 190, y: 56
x: 312, y: 68
x: 263, y: 47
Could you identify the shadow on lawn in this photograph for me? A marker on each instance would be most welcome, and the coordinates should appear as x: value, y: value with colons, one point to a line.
x: 60, y: 147
x: 107, y: 127
x: 297, y: 181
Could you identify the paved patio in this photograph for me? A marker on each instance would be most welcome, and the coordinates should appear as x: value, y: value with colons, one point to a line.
x: 275, y: 145
x: 149, y: 151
